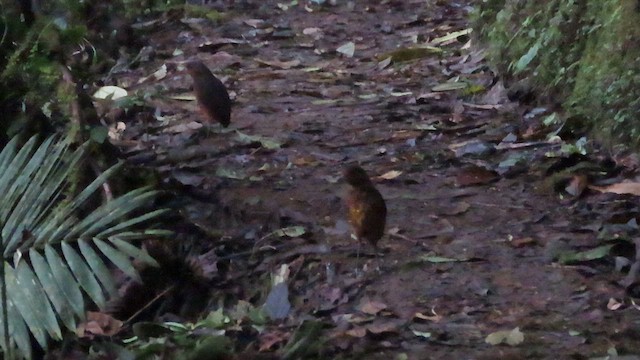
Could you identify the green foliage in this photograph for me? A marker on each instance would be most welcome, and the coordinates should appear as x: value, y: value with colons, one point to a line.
x: 54, y: 248
x: 585, y: 53
x: 201, y: 340
x: 32, y: 68
x: 306, y: 342
x: 606, y: 84
x: 206, y: 339
x: 531, y: 39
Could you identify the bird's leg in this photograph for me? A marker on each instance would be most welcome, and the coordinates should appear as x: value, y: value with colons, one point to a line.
x: 358, y: 259
x: 210, y: 130
x: 377, y: 250
x: 200, y: 134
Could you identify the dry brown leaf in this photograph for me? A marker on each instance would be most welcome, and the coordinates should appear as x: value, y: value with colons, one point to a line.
x: 358, y: 332
x: 577, y: 185
x: 255, y: 23
x: 406, y: 134
x: 98, y: 323
x: 387, y: 326
x: 180, y: 128
x: 614, y: 304
x: 421, y: 316
x: 314, y: 32
x: 619, y: 188
x: 371, y: 307
x: 279, y: 64
x: 390, y: 175
x: 475, y: 175
x: 304, y: 160
x: 270, y: 339
x: 522, y: 242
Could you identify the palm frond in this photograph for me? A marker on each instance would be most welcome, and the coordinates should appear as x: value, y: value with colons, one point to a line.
x: 68, y: 253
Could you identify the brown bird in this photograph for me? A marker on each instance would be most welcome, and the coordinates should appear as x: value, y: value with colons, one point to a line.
x: 367, y: 209
x: 211, y: 93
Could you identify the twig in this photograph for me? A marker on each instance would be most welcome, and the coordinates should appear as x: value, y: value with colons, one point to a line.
x: 519, y: 207
x: 146, y: 306
x: 406, y: 238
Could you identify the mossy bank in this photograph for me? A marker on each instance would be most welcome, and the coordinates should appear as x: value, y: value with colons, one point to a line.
x: 584, y: 54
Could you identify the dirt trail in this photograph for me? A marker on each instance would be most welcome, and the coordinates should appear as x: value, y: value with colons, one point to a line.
x: 471, y: 244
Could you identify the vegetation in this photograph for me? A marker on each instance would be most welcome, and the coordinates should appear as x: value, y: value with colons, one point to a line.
x: 584, y: 53
x: 55, y: 248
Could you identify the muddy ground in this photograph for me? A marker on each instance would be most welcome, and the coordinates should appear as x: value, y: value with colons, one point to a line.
x: 476, y: 220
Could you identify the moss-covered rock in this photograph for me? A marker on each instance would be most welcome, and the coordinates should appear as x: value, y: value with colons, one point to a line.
x: 584, y: 54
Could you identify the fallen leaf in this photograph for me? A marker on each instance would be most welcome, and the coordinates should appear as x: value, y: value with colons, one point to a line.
x: 401, y: 93
x: 255, y: 23
x: 314, y: 32
x: 230, y: 173
x: 98, y: 323
x: 522, y: 242
x: 291, y: 231
x: 390, y: 175
x: 279, y: 64
x: 438, y: 259
x: 619, y: 188
x: 269, y: 339
x: 330, y: 297
x: 588, y: 255
x: 614, y: 304
x: 371, y: 307
x: 422, y: 334
x: 409, y: 53
x: 265, y: 142
x: 358, y: 332
x: 347, y: 49
x: 304, y: 160
x: 386, y: 326
x: 187, y: 178
x: 110, y: 92
x: 277, y: 305
x: 453, y: 36
x: 510, y: 337
x: 384, y: 63
x: 159, y: 74
x: 472, y: 147
x: 577, y: 185
x: 406, y: 134
x: 180, y: 128
x: 449, y: 86
x: 183, y: 97
x: 280, y: 275
x: 455, y: 209
x: 435, y: 317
